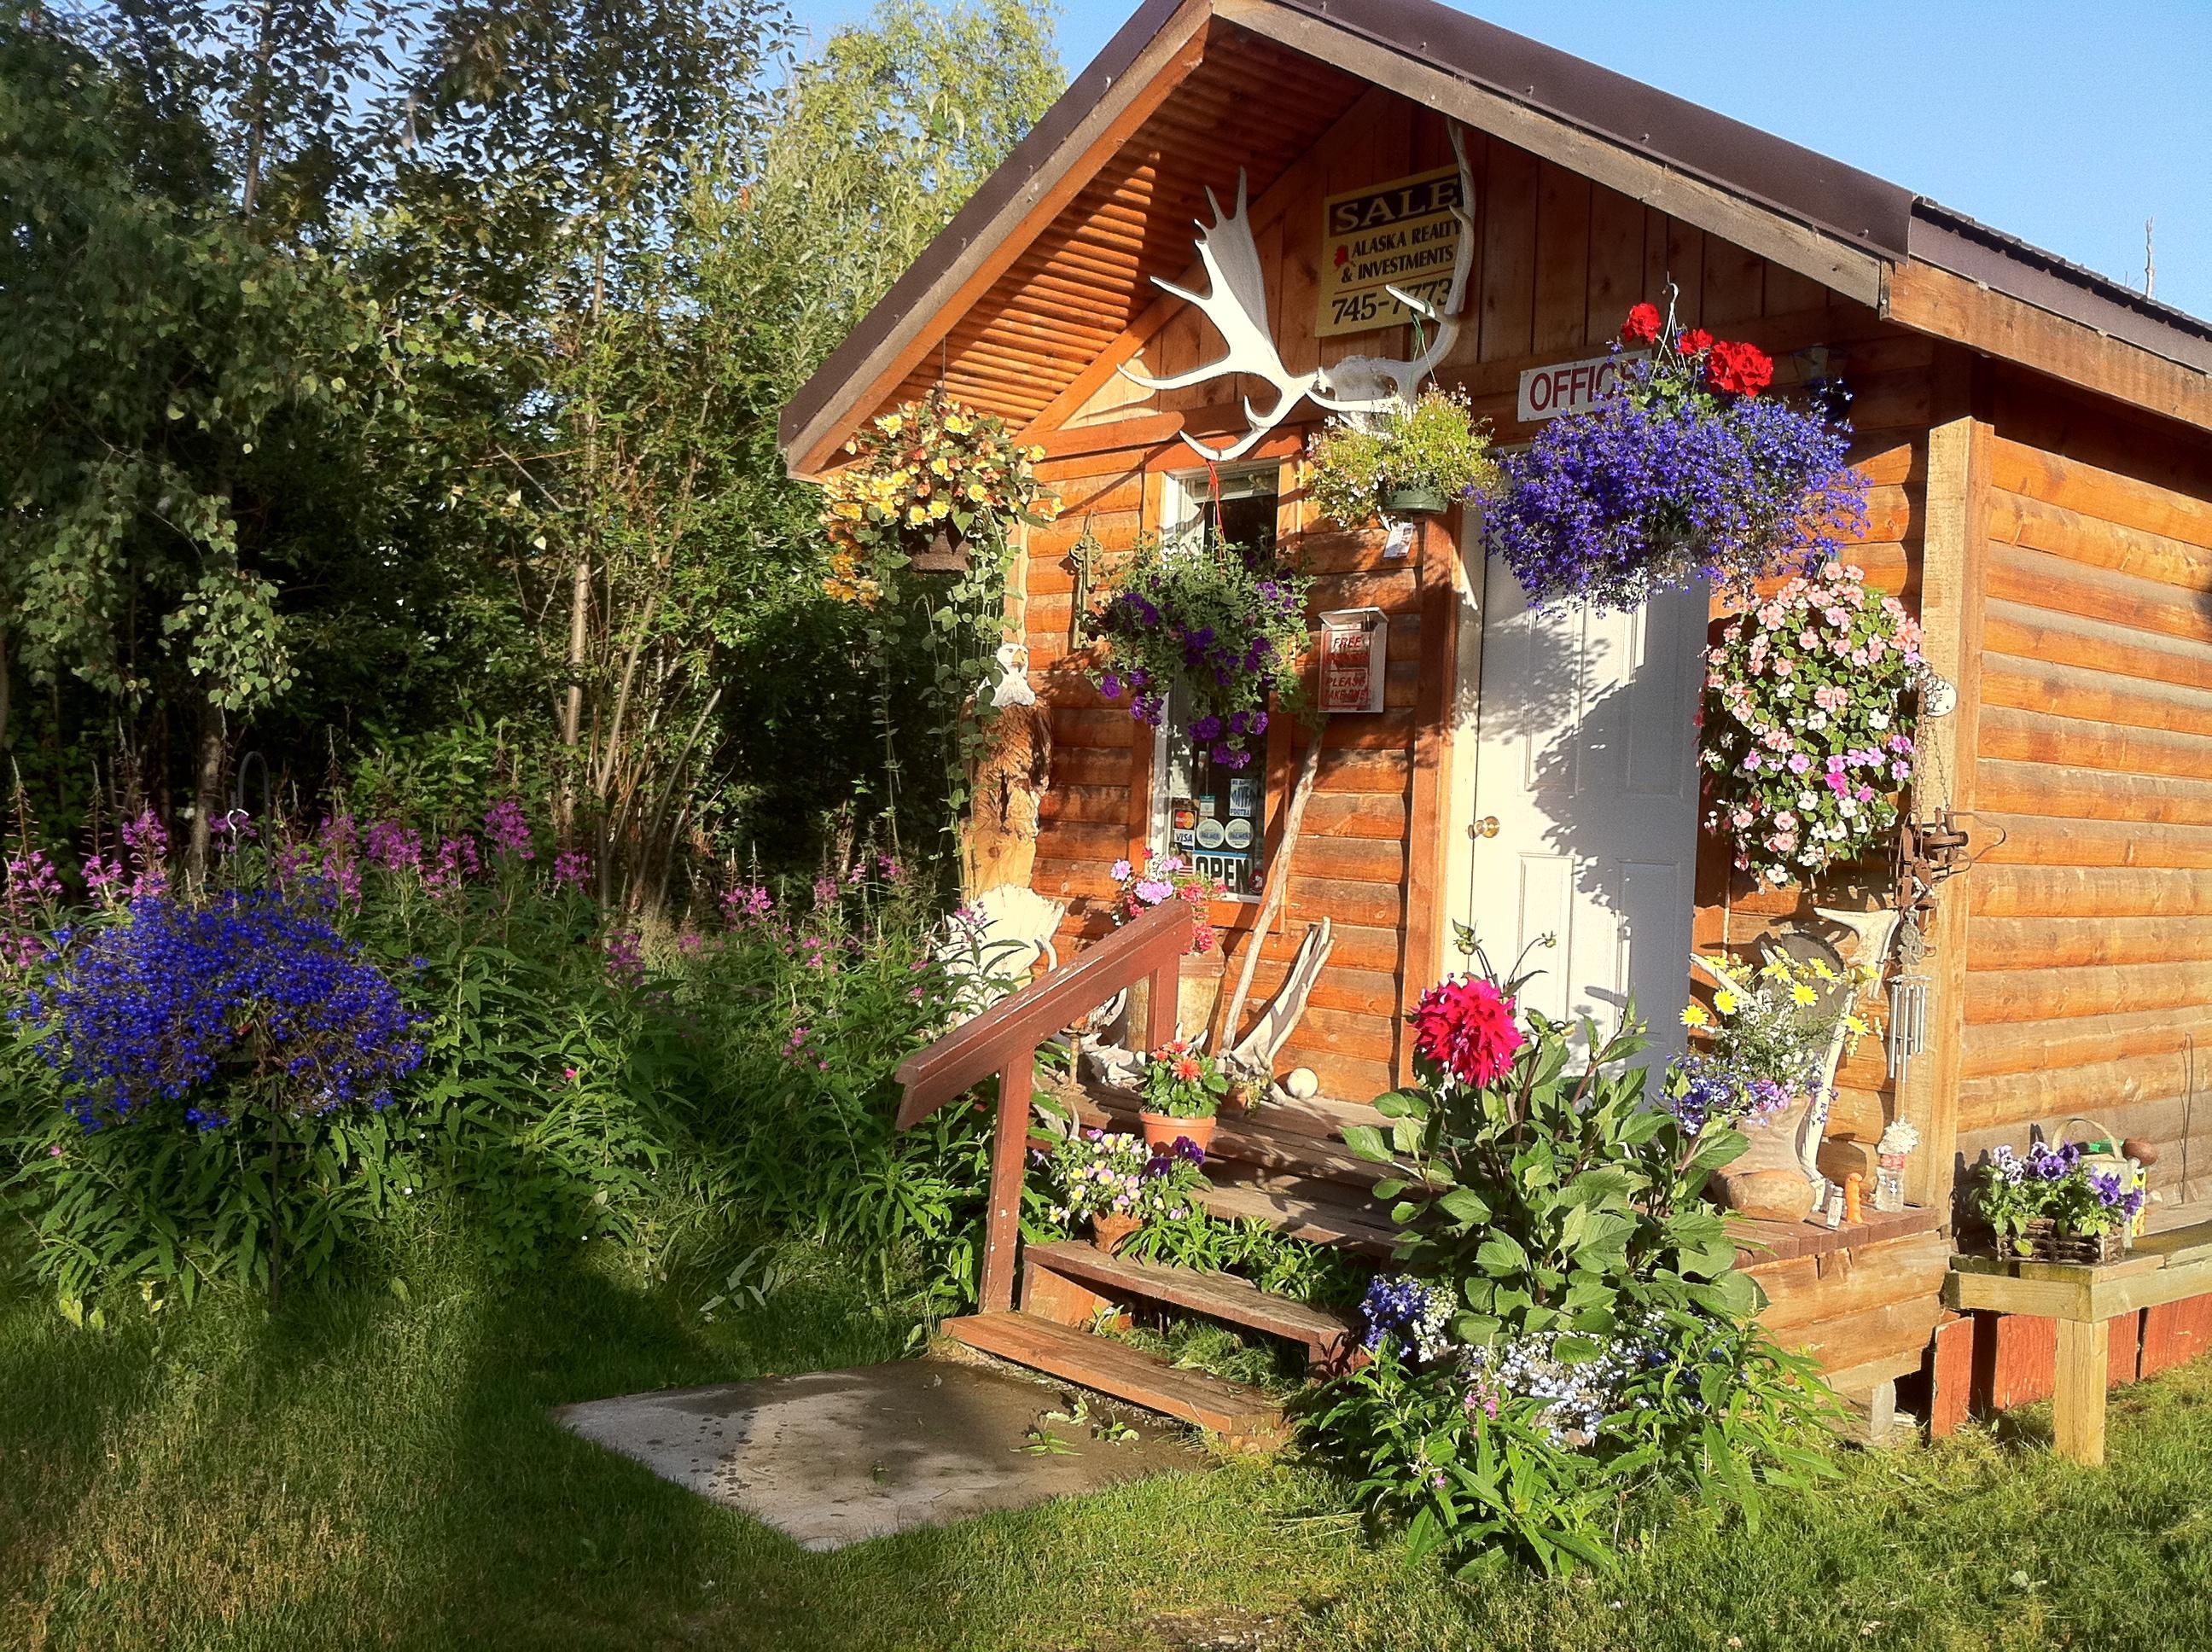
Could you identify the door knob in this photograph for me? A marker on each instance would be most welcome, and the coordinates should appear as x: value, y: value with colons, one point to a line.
x: 1486, y: 827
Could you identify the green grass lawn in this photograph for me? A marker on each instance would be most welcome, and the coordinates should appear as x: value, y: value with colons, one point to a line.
x: 380, y: 1472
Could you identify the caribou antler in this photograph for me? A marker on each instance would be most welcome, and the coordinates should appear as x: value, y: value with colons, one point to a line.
x: 1236, y: 301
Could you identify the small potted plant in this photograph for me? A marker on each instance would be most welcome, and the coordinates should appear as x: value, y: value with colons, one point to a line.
x: 1119, y: 1182
x: 1775, y: 1035
x: 1408, y: 460
x: 1157, y: 879
x: 1096, y: 1174
x: 2055, y: 1204
x: 1181, y: 1091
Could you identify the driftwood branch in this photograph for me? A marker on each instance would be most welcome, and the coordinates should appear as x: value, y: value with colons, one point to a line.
x: 1293, y: 818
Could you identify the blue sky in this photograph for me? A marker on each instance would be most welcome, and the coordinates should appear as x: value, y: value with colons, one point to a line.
x: 2067, y: 124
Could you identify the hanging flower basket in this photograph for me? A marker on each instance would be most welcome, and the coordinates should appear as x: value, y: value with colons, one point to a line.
x: 1811, y: 703
x: 1406, y: 461
x: 928, y: 479
x: 1204, y: 618
x: 1684, y: 471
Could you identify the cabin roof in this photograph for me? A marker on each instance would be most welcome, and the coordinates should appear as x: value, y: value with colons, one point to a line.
x: 1059, y: 246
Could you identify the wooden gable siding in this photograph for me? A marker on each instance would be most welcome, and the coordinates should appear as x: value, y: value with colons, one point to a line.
x: 1248, y: 104
x: 2089, y: 942
x: 1559, y: 261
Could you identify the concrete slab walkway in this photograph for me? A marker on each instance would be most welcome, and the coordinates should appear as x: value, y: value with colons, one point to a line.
x: 836, y: 1457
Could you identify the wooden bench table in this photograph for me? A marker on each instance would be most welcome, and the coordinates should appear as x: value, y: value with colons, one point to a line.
x: 2161, y: 1268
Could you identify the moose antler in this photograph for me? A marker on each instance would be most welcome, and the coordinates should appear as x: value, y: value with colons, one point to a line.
x: 1236, y: 301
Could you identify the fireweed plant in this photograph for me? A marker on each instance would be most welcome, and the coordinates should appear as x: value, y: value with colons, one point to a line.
x: 1687, y: 470
x: 1566, y: 1324
x: 1202, y: 617
x: 1812, y: 700
x: 555, y: 1077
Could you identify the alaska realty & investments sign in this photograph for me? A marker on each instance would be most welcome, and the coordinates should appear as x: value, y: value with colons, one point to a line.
x: 1403, y: 233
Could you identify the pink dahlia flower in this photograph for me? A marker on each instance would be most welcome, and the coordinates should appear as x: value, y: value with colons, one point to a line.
x: 1466, y: 1027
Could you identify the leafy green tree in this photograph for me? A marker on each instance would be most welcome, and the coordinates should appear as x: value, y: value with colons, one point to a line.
x: 399, y: 382
x: 182, y: 395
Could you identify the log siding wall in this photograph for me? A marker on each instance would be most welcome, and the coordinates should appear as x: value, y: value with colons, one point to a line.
x: 1557, y: 262
x: 2089, y: 948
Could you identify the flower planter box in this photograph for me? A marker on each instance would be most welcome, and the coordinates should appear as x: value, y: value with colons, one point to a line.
x: 2047, y: 1244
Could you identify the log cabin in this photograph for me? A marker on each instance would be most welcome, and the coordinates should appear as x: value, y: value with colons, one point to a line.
x: 2039, y: 442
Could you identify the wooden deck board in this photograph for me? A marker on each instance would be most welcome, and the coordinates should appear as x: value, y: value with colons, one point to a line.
x: 1217, y: 1296
x: 1228, y: 1408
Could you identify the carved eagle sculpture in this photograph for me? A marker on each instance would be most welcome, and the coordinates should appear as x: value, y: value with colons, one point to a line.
x: 1236, y: 302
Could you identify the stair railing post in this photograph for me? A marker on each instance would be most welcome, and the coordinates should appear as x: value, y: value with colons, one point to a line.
x: 1010, y: 1147
x: 1162, y: 1014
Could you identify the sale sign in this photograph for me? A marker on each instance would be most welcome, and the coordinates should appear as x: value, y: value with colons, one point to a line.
x: 1403, y: 233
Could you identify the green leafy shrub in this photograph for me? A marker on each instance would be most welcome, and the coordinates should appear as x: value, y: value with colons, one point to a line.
x: 690, y: 1098
x: 1570, y: 1325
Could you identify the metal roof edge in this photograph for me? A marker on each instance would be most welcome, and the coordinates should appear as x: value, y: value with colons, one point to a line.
x: 1856, y: 206
x: 1951, y: 240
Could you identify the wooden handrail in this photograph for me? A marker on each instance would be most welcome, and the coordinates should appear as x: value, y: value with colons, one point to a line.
x: 1012, y: 1029
x: 1003, y: 1040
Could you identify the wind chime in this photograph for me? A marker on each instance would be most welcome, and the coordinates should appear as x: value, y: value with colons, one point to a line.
x: 1927, y: 853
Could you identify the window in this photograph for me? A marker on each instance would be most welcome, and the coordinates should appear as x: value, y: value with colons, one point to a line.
x: 1216, y: 819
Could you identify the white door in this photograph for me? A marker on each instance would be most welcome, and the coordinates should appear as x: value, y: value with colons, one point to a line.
x: 1585, y: 803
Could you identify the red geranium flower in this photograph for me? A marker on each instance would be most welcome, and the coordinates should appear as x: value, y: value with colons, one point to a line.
x: 1641, y: 325
x: 1738, y: 368
x: 1695, y: 342
x: 1466, y: 1027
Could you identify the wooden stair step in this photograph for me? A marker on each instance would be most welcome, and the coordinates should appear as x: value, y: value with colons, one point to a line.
x: 1329, y: 1337
x: 1231, y: 1409
x: 1297, y: 1217
x: 1251, y: 1139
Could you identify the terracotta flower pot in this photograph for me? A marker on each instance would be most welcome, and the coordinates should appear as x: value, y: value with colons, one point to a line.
x: 1109, y: 1232
x: 1161, y: 1130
